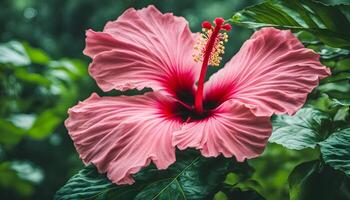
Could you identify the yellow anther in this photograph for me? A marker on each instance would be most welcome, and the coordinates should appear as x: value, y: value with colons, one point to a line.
x: 217, y: 50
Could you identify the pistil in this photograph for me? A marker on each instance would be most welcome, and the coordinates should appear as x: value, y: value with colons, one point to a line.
x: 210, y: 47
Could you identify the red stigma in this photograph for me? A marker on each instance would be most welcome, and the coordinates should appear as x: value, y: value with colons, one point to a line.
x: 227, y: 27
x: 219, y: 21
x: 206, y: 25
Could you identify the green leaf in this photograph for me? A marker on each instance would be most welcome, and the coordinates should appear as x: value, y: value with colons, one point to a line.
x: 313, y: 181
x: 28, y: 171
x: 339, y: 90
x: 328, y: 105
x: 341, y: 102
x: 232, y: 179
x: 67, y: 69
x: 329, y: 23
x: 237, y: 193
x: 343, y: 65
x: 342, y: 76
x: 342, y: 114
x: 243, y: 183
x: 36, y: 55
x: 87, y: 184
x: 336, y: 150
x: 220, y: 196
x: 190, y: 177
x: 327, y: 52
x: 303, y: 130
x: 9, y: 178
x: 34, y: 78
x: 45, y: 124
x: 10, y: 134
x: 23, y: 121
x: 13, y: 53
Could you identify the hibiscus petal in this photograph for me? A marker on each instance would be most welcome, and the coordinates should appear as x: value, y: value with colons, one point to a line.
x: 98, y: 42
x: 232, y: 129
x: 143, y: 48
x: 272, y: 71
x: 120, y: 135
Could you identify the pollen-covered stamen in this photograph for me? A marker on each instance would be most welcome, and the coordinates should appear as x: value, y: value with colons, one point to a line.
x: 218, y: 50
x: 210, y: 47
x: 214, y: 49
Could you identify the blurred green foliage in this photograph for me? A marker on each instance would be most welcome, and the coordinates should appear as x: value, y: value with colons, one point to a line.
x: 39, y: 81
x: 36, y: 91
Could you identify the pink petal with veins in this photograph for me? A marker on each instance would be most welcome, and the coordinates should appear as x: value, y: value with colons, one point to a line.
x: 143, y: 48
x: 273, y: 72
x: 231, y: 129
x: 120, y: 135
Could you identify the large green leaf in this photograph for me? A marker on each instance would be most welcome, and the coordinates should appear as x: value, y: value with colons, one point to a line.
x: 310, y: 127
x: 314, y: 181
x: 329, y: 23
x: 303, y: 130
x: 191, y: 177
x: 336, y: 150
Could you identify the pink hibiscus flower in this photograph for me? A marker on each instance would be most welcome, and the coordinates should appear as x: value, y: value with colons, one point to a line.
x: 228, y: 115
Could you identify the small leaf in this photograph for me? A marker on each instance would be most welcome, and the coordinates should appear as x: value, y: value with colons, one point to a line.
x: 36, y: 55
x: 232, y: 179
x: 9, y: 178
x: 45, y: 124
x: 23, y: 121
x: 33, y: 78
x: 327, y: 52
x: 336, y: 150
x: 190, y: 177
x: 303, y: 130
x: 313, y: 181
x: 10, y: 134
x: 343, y: 65
x: 237, y: 193
x: 341, y: 102
x: 328, y: 23
x: 67, y: 69
x: 342, y: 76
x: 220, y: 196
x: 13, y: 53
x: 28, y: 171
x: 339, y: 90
